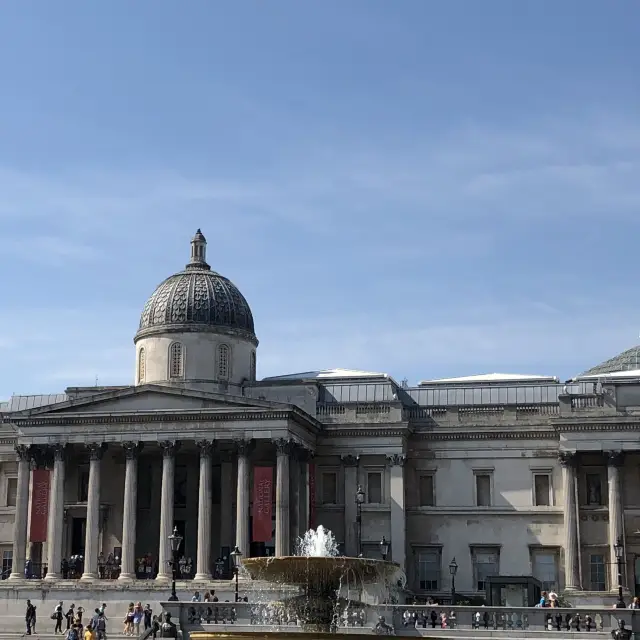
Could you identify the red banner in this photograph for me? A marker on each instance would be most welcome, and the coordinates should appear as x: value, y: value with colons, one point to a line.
x: 312, y: 495
x: 262, y: 504
x: 39, y: 505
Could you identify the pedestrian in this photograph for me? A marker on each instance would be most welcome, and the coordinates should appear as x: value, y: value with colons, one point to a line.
x: 138, y: 614
x: 148, y: 612
x: 72, y: 633
x: 89, y: 633
x: 57, y: 615
x: 101, y: 627
x: 29, y: 616
x: 70, y: 616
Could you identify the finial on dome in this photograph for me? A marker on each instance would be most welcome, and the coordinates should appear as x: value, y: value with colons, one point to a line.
x: 198, y: 252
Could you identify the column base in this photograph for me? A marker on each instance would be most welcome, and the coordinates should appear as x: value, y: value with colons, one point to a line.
x: 89, y: 577
x: 126, y: 577
x: 163, y: 578
x: 52, y: 577
x: 202, y: 577
x: 16, y: 576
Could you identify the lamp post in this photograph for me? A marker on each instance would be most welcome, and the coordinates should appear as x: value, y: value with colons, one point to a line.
x: 359, y: 502
x: 384, y: 548
x: 618, y: 547
x: 236, y: 554
x: 453, y: 569
x: 176, y: 540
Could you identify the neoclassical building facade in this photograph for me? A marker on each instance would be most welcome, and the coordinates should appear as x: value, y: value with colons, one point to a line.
x: 513, y: 475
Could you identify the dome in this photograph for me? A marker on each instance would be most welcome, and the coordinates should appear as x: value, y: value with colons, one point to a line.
x: 628, y: 360
x: 197, y: 299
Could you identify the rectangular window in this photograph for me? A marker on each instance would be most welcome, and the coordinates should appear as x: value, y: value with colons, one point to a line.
x: 594, y: 489
x: 545, y: 569
x: 329, y: 488
x: 542, y: 489
x: 597, y: 572
x: 83, y: 484
x: 374, y: 487
x: 483, y: 489
x: 426, y: 489
x: 486, y: 563
x: 429, y: 570
x: 7, y: 563
x: 12, y: 492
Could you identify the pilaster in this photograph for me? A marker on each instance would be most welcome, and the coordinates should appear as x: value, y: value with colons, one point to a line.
x: 350, y: 464
x: 398, y: 517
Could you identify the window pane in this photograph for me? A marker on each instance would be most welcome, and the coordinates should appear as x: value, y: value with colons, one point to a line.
x: 486, y: 565
x: 542, y: 487
x: 329, y: 488
x: 426, y: 491
x: 429, y: 570
x: 545, y: 570
x: 597, y: 572
x: 12, y: 492
x: 594, y: 489
x: 483, y: 490
x: 374, y: 488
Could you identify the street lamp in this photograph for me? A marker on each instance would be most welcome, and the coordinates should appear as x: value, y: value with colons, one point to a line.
x: 384, y: 548
x: 619, y: 549
x: 359, y: 502
x: 236, y: 554
x: 453, y: 569
x: 176, y: 540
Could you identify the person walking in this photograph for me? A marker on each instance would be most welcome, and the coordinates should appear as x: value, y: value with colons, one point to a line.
x: 148, y: 612
x: 138, y: 614
x: 70, y: 616
x: 57, y: 616
x: 29, y: 616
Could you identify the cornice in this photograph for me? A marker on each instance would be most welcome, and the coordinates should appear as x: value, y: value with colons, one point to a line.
x: 355, y: 431
x: 598, y: 426
x: 548, y: 434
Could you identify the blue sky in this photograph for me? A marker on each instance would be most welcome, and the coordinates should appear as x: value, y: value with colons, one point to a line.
x: 423, y: 188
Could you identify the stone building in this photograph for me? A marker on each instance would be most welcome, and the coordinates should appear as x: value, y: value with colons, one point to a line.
x: 515, y: 475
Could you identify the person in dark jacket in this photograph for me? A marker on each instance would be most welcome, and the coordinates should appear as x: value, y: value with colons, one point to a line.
x: 30, y: 617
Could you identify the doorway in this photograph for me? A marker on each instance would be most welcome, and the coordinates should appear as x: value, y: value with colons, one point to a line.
x: 78, y: 531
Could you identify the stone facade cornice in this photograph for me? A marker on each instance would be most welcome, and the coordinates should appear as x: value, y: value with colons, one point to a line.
x: 547, y: 434
x: 356, y: 431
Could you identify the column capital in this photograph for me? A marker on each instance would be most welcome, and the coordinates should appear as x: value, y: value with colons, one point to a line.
x: 243, y: 447
x: 615, y: 458
x: 23, y: 452
x: 396, y: 459
x: 132, y: 449
x: 169, y: 448
x: 96, y: 450
x: 568, y: 459
x: 206, y: 447
x: 350, y: 460
x: 59, y: 451
x: 284, y: 446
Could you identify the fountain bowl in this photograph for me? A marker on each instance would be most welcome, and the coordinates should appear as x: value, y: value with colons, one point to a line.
x: 305, y: 570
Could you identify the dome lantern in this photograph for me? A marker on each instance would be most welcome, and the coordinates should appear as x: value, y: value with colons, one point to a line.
x: 198, y: 252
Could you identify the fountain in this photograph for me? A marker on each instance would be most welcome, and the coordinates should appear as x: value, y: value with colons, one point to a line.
x: 320, y: 575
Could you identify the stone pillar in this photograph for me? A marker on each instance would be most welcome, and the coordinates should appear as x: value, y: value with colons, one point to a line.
x: 203, y: 564
x: 226, y: 499
x: 615, y: 463
x: 169, y: 449
x: 129, y: 521
x: 294, y: 495
x: 303, y: 505
x: 242, y: 499
x: 92, y: 531
x: 283, y: 450
x: 571, y: 543
x: 350, y: 464
x: 56, y: 515
x: 22, y: 514
x: 398, y: 515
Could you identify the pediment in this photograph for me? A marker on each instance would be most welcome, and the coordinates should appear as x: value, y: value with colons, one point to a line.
x: 146, y: 398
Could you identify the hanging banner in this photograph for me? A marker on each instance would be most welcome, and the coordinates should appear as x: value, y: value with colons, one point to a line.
x: 312, y: 495
x: 39, y: 505
x: 262, y: 504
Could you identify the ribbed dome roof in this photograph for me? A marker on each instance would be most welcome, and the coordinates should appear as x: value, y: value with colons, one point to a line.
x: 197, y: 297
x: 628, y: 360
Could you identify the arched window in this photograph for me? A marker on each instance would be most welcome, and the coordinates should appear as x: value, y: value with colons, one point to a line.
x: 176, y: 360
x: 141, y: 366
x: 223, y: 362
x: 252, y: 371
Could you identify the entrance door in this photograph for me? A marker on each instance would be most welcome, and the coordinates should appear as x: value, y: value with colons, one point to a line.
x: 78, y: 530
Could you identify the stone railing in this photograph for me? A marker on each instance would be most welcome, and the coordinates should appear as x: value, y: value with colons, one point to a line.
x: 409, y: 619
x: 371, y: 412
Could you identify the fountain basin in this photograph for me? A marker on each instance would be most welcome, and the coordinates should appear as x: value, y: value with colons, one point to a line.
x: 309, y: 570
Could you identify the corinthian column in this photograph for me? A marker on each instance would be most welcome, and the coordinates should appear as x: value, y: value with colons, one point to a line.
x: 398, y: 516
x: 22, y: 514
x: 615, y: 463
x: 351, y: 542
x: 93, y: 513
x: 571, y: 543
x: 242, y: 498
x: 169, y: 448
x: 283, y: 449
x: 294, y: 496
x: 203, y: 565
x: 129, y: 522
x: 56, y: 515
